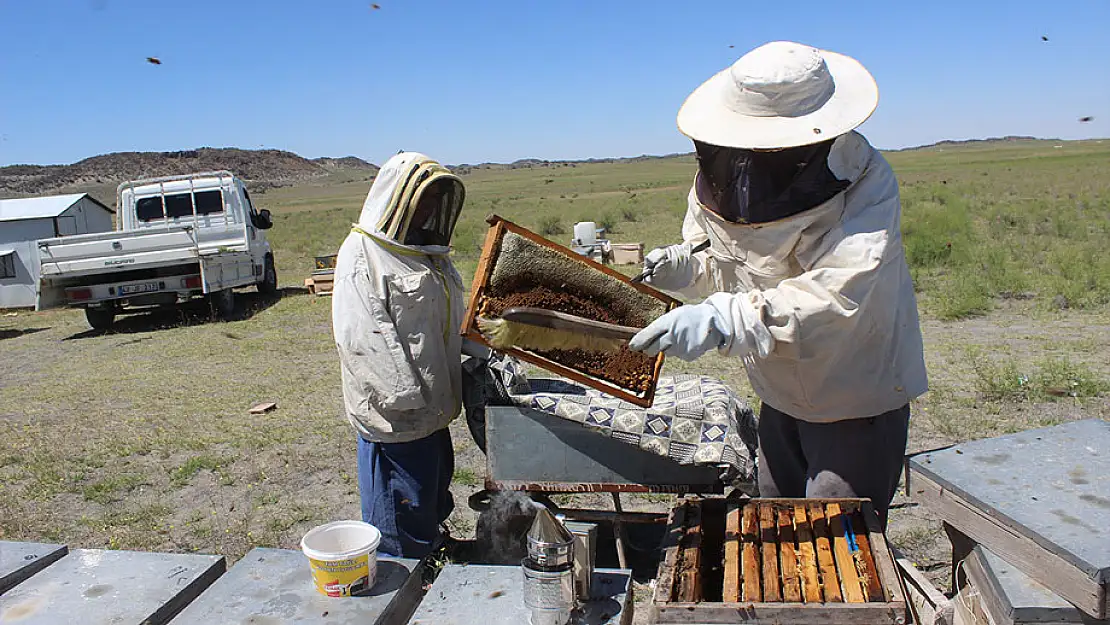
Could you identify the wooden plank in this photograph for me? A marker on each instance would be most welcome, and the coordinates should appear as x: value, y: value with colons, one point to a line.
x: 482, y: 273
x: 830, y: 582
x: 731, y: 590
x: 263, y: 407
x: 768, y: 538
x: 750, y: 569
x: 928, y: 605
x: 665, y: 587
x: 1048, y: 568
x: 883, y: 557
x: 807, y: 556
x: 845, y: 564
x: 791, y: 584
x: 776, y: 614
x: 689, y: 563
x: 872, y: 585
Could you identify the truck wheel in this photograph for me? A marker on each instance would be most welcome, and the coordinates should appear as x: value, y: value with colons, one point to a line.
x: 224, y: 303
x: 100, y: 318
x: 269, y: 285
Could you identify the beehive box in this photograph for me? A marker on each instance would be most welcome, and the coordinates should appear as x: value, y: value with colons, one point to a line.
x: 627, y: 253
x: 521, y: 268
x: 782, y: 561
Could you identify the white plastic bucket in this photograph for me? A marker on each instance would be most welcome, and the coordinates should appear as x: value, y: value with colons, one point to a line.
x: 343, y: 556
x: 585, y: 232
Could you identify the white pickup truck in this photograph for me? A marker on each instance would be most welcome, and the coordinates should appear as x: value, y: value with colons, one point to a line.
x: 176, y: 238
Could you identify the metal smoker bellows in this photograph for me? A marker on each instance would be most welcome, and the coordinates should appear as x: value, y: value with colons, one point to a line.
x: 549, y: 571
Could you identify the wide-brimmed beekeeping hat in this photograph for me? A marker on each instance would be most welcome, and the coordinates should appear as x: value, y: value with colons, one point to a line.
x: 780, y: 95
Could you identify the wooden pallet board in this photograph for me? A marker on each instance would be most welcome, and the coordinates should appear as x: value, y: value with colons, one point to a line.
x: 731, y: 591
x: 830, y: 581
x: 807, y: 556
x: 751, y: 570
x: 786, y: 561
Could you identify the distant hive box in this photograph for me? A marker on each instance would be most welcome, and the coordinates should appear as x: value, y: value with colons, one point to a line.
x: 627, y: 253
x: 781, y: 561
x: 325, y: 263
x: 520, y: 268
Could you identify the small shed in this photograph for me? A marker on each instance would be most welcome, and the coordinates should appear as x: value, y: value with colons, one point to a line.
x: 24, y: 221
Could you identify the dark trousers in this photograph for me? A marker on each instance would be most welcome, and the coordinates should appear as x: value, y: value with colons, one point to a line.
x: 405, y: 493
x: 850, y: 458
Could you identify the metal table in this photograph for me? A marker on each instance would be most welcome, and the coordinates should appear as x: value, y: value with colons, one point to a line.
x: 96, y: 586
x: 274, y: 586
x: 18, y: 561
x: 494, y: 595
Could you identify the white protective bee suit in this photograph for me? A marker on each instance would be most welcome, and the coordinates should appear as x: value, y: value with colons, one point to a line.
x: 820, y: 305
x: 396, y: 314
x: 397, y: 306
x: 805, y: 274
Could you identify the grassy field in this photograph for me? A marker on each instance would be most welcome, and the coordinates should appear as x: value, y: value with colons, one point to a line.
x: 140, y: 438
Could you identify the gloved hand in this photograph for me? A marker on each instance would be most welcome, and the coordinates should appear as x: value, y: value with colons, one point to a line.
x: 686, y: 332
x: 670, y: 267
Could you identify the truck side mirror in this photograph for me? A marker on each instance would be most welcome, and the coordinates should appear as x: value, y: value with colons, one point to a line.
x: 263, y: 221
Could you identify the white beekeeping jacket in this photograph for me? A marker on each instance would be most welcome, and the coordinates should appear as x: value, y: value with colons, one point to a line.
x: 825, y: 295
x: 397, y: 310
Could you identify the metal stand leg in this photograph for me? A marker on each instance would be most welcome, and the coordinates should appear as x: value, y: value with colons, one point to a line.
x: 618, y: 531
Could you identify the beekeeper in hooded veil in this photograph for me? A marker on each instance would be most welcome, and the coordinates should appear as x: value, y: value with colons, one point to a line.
x: 397, y: 307
x: 805, y: 274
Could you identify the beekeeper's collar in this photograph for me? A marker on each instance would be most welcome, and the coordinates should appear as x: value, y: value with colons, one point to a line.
x: 388, y: 210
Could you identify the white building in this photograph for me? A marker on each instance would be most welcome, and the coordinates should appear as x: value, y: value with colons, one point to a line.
x: 24, y: 221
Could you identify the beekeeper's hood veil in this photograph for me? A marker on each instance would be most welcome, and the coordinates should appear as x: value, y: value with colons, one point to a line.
x: 414, y: 203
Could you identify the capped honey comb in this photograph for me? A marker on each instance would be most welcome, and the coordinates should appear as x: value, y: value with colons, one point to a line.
x: 520, y: 268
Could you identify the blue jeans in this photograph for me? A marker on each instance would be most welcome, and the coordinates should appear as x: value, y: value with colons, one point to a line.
x: 405, y: 493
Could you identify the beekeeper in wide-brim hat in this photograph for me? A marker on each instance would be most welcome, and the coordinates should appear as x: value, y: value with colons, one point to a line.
x: 780, y: 95
x: 806, y: 275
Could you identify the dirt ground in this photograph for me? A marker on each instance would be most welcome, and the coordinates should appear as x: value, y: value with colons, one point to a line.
x: 141, y: 438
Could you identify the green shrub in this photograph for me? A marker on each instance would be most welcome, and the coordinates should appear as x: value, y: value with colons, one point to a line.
x: 550, y: 225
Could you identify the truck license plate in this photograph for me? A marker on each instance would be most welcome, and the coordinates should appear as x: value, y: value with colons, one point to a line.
x: 131, y: 289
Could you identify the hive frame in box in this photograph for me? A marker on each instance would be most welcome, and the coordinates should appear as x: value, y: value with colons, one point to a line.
x: 892, y: 610
x: 498, y: 228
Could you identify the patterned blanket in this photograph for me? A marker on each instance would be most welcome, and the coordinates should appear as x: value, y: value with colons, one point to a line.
x: 693, y: 420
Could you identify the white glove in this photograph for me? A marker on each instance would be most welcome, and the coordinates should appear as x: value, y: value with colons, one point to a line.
x: 669, y: 267
x: 686, y: 332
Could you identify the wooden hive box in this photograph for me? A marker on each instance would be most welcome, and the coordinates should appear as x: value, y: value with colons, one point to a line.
x: 521, y: 268
x: 1038, y: 499
x: 781, y: 561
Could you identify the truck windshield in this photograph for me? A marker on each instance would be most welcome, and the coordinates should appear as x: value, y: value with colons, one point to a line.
x: 179, y: 205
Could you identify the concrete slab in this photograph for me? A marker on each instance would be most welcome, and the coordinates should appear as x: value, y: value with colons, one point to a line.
x: 493, y: 595
x: 95, y: 586
x: 18, y: 561
x: 274, y: 586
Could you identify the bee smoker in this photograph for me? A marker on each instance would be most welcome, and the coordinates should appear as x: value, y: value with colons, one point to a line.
x: 549, y: 589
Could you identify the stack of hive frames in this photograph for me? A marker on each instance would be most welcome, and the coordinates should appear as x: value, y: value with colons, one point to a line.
x: 520, y: 268
x: 777, y: 561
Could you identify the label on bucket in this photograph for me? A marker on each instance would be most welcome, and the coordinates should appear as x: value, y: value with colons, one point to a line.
x: 341, y: 578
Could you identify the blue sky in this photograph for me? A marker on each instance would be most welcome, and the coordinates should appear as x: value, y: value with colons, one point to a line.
x: 497, y: 81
